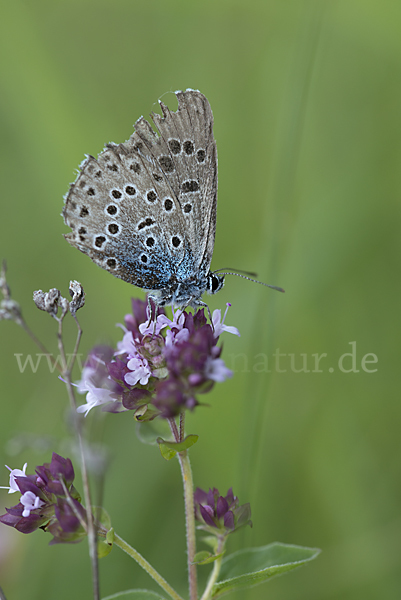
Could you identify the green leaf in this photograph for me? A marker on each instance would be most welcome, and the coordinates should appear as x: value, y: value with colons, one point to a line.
x: 249, y: 567
x: 205, y: 557
x: 166, y: 452
x: 103, y: 547
x: 135, y: 595
x: 169, y: 449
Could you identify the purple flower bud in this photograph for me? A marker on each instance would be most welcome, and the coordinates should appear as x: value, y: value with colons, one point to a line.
x: 138, y: 316
x: 220, y: 515
x: 207, y: 515
x: 229, y: 521
x: 170, y: 397
x: 67, y: 527
x: 221, y: 507
x: 61, y: 467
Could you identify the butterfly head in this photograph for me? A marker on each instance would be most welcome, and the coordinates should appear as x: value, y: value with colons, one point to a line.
x: 214, y: 283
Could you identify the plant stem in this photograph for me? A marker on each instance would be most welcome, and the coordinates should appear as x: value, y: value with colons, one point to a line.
x: 190, y: 521
x: 215, y: 573
x: 174, y: 430
x: 25, y: 327
x: 142, y: 562
x: 85, y: 477
x: 182, y: 426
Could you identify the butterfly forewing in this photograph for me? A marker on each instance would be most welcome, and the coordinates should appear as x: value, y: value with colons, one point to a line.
x: 145, y: 210
x: 189, y: 135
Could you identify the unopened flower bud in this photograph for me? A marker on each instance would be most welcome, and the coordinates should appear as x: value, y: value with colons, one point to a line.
x: 47, y: 301
x: 51, y: 301
x: 78, y: 296
x: 39, y: 299
x: 220, y: 515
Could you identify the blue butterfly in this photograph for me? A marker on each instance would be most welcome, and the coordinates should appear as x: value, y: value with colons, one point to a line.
x: 145, y: 210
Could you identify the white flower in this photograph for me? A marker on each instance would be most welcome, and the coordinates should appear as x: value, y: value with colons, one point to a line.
x: 94, y: 397
x: 87, y: 374
x: 140, y: 371
x: 218, y: 323
x: 13, y: 487
x: 30, y: 502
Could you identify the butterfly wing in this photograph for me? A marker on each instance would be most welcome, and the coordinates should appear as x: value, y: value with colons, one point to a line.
x: 188, y: 134
x: 146, y: 209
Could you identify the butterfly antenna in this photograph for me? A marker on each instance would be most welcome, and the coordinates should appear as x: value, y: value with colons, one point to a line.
x: 249, y: 273
x: 273, y: 287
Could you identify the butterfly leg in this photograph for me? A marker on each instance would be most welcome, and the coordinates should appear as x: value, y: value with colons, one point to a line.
x: 208, y: 312
x: 152, y: 306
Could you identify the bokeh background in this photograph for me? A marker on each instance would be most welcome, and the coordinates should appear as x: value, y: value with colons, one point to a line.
x: 306, y: 99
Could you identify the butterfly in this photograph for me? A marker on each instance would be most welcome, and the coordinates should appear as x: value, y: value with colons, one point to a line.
x: 145, y: 210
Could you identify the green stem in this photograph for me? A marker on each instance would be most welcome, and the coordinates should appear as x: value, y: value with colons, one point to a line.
x: 215, y: 573
x: 190, y: 521
x: 142, y: 562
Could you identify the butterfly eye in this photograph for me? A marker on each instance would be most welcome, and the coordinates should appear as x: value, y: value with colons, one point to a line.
x: 215, y: 283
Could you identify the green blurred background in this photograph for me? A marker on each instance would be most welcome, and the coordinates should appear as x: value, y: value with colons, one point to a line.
x: 306, y: 100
